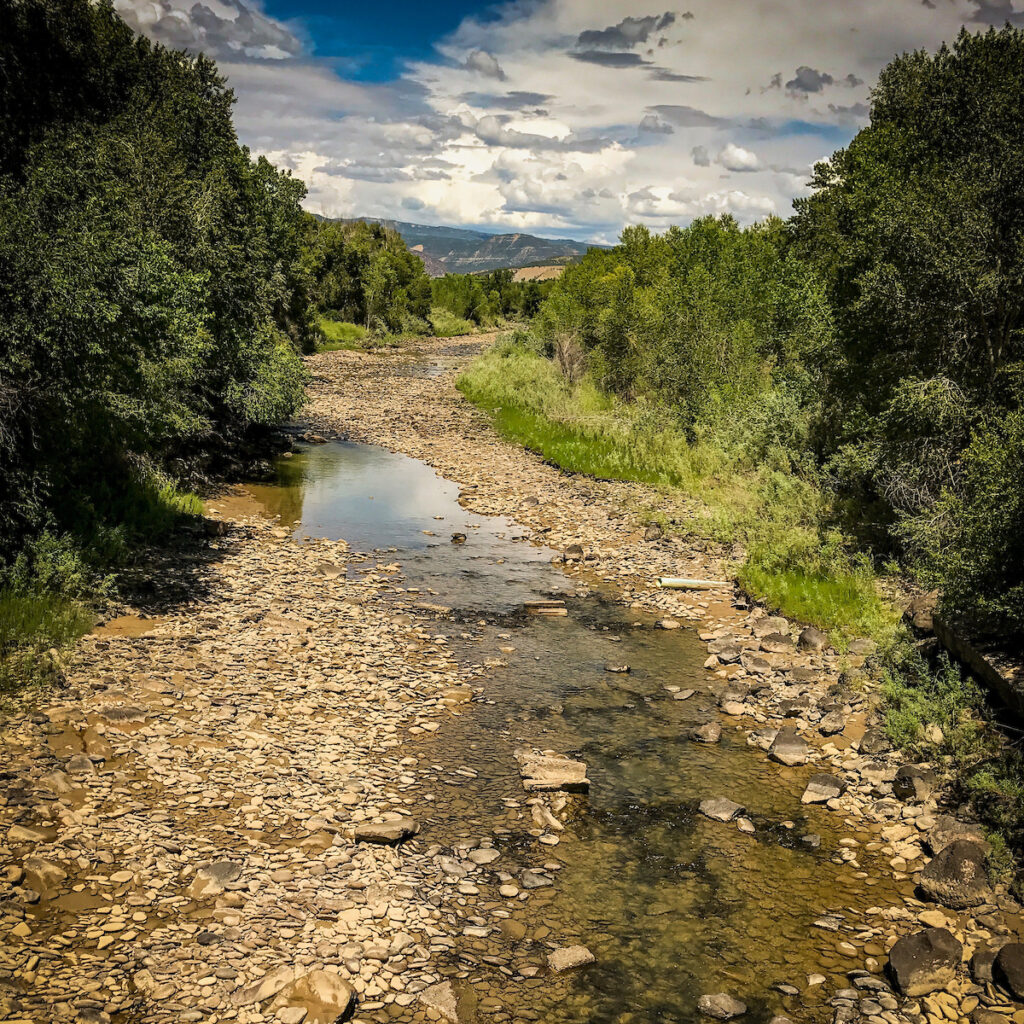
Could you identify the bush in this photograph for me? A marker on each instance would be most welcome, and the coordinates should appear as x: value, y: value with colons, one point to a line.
x: 447, y: 325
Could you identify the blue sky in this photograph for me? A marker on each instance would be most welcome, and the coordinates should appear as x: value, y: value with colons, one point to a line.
x: 367, y: 46
x: 556, y: 117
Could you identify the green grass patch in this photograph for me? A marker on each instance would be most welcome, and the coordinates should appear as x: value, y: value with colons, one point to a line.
x: 339, y: 335
x: 30, y: 625
x: 446, y: 324
x: 794, y: 561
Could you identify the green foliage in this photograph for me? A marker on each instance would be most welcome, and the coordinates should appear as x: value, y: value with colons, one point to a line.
x: 706, y: 318
x: 488, y: 299
x: 917, y: 230
x: 365, y: 274
x: 154, y: 293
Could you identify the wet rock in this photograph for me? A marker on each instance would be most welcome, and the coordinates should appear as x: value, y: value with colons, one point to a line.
x: 789, y: 748
x: 720, y: 808
x: 925, y: 961
x: 211, y: 878
x: 874, y: 741
x: 1008, y: 969
x: 573, y: 553
x: 441, y: 999
x: 534, y: 879
x: 832, y: 723
x: 956, y: 876
x: 569, y: 957
x: 709, y: 732
x: 386, y: 833
x: 549, y: 772
x: 612, y: 666
x: 914, y: 783
x: 44, y: 874
x: 458, y: 538
x: 822, y: 788
x: 668, y: 623
x: 721, y: 1006
x: 812, y: 639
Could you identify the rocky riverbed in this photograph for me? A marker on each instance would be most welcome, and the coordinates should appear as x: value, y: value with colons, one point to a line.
x: 277, y: 800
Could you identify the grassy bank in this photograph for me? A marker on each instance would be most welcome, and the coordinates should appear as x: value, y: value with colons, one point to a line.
x: 792, y: 558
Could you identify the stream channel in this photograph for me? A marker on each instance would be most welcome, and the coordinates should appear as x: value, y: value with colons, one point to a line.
x: 671, y: 904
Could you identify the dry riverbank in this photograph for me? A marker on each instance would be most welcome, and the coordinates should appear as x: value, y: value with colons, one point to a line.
x: 215, y: 820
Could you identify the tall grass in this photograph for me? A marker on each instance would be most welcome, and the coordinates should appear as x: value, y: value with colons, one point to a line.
x: 339, y: 335
x: 446, y: 324
x: 773, y: 510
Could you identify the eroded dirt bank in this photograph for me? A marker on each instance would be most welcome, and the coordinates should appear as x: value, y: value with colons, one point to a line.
x: 200, y: 827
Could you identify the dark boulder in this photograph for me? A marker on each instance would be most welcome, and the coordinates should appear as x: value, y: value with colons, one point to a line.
x: 1008, y: 969
x: 925, y: 961
x: 956, y: 876
x: 914, y: 783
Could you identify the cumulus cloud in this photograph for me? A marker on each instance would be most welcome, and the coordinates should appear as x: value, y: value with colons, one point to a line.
x: 515, y: 122
x: 218, y: 28
x: 627, y: 33
x: 736, y: 158
x: 485, y: 63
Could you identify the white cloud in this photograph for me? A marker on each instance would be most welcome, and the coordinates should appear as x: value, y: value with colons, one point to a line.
x: 736, y: 158
x: 666, y: 118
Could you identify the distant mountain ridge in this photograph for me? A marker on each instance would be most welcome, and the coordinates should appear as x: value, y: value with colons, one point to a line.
x: 448, y: 250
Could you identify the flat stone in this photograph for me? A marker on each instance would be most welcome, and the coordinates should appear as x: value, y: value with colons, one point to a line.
x: 328, y: 996
x: 832, y: 723
x: 721, y: 1006
x: 925, y: 961
x: 386, y: 833
x: 914, y: 783
x: 874, y: 741
x: 569, y: 957
x: 720, y: 808
x: 551, y: 772
x: 211, y: 878
x: 441, y: 998
x: 263, y: 988
x: 822, y: 788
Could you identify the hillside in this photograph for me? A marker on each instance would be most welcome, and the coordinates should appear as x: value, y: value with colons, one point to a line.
x: 463, y: 250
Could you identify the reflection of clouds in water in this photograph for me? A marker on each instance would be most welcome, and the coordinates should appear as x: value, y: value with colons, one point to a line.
x: 374, y: 498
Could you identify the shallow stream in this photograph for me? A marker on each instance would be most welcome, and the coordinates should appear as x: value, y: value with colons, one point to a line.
x: 671, y: 904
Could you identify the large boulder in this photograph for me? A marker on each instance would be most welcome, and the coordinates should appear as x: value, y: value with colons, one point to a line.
x: 925, y: 961
x: 789, y: 748
x: 1008, y: 969
x: 812, y: 639
x: 956, y: 875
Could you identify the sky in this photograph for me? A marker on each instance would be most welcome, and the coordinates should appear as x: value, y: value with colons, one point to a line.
x: 563, y: 118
